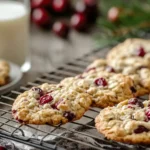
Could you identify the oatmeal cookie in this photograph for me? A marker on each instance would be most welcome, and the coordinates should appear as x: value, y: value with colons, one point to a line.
x: 4, y: 72
x: 50, y: 104
x: 127, y: 122
x: 106, y: 89
x: 138, y: 48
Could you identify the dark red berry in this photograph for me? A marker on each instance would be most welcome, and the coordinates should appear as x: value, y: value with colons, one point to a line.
x: 19, y: 120
x: 14, y: 111
x: 41, y: 17
x: 110, y: 69
x: 148, y: 114
x: 40, y: 3
x: 113, y: 14
x: 69, y: 115
x: 61, y: 29
x: 38, y: 90
x: 79, y: 21
x: 89, y: 69
x: 91, y: 3
x: 135, y: 101
x: 54, y: 106
x: 2, y: 148
x: 141, y: 52
x: 101, y: 82
x: 60, y: 5
x: 45, y: 99
x: 141, y: 129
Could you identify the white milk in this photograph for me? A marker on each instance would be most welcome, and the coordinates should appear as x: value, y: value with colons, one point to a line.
x: 14, y: 31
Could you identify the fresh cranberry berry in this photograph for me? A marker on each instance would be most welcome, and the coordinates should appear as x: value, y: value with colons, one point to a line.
x: 101, y: 82
x: 79, y: 21
x: 38, y: 90
x: 140, y: 129
x: 40, y: 3
x: 45, y: 99
x: 89, y: 69
x: 113, y: 14
x: 148, y: 114
x: 60, y: 5
x: 91, y: 3
x: 41, y: 17
x: 61, y: 29
x: 141, y: 52
x: 2, y: 148
x: 110, y: 69
x: 132, y: 88
x: 69, y: 115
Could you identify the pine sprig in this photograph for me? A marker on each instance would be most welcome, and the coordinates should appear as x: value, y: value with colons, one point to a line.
x: 134, y: 20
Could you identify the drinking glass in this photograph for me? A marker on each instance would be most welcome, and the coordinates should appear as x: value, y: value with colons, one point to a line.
x: 14, y: 32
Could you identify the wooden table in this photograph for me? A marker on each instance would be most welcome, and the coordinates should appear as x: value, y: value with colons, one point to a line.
x: 49, y: 51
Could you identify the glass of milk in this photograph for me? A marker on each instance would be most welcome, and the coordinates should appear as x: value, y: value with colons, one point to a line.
x: 14, y: 32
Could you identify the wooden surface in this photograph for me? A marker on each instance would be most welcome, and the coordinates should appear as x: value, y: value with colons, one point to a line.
x: 49, y: 51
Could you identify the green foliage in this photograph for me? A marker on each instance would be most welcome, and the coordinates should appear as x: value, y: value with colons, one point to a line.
x: 134, y: 20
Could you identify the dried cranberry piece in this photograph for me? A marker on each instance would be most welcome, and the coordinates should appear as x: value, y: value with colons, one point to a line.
x: 141, y: 52
x: 14, y: 111
x: 147, y: 113
x: 2, y: 148
x: 38, y: 90
x: 135, y: 101
x: 141, y: 129
x: 54, y: 106
x: 110, y: 69
x: 45, y: 99
x: 132, y: 88
x: 101, y: 82
x: 19, y: 120
x: 69, y: 115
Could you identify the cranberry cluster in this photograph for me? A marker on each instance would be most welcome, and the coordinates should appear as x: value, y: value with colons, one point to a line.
x: 44, y: 12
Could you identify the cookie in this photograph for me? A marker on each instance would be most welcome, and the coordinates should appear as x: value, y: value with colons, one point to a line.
x: 106, y: 89
x: 138, y: 48
x: 135, y: 68
x: 50, y: 104
x: 4, y: 72
x: 128, y: 122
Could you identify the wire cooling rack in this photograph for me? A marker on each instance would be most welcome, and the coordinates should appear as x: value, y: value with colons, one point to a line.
x: 79, y: 134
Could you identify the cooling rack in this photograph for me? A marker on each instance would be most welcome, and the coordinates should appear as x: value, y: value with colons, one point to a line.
x: 79, y: 134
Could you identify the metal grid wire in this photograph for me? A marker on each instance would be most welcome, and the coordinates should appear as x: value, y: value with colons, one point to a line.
x: 11, y: 129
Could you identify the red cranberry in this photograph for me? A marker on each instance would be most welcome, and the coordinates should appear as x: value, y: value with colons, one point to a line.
x: 41, y: 17
x: 78, y: 21
x: 89, y: 69
x: 135, y: 101
x: 2, y: 148
x: 110, y: 69
x: 141, y: 52
x: 14, y: 111
x: 101, y: 82
x: 90, y: 3
x: 69, y: 115
x: 38, y: 90
x: 60, y: 5
x: 61, y: 29
x: 113, y: 14
x: 140, y: 129
x: 45, y: 99
x: 19, y: 120
x: 40, y: 3
x: 54, y: 106
x: 148, y: 114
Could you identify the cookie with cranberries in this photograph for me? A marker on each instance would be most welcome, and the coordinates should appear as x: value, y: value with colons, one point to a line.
x: 106, y: 89
x: 127, y: 122
x: 50, y: 104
